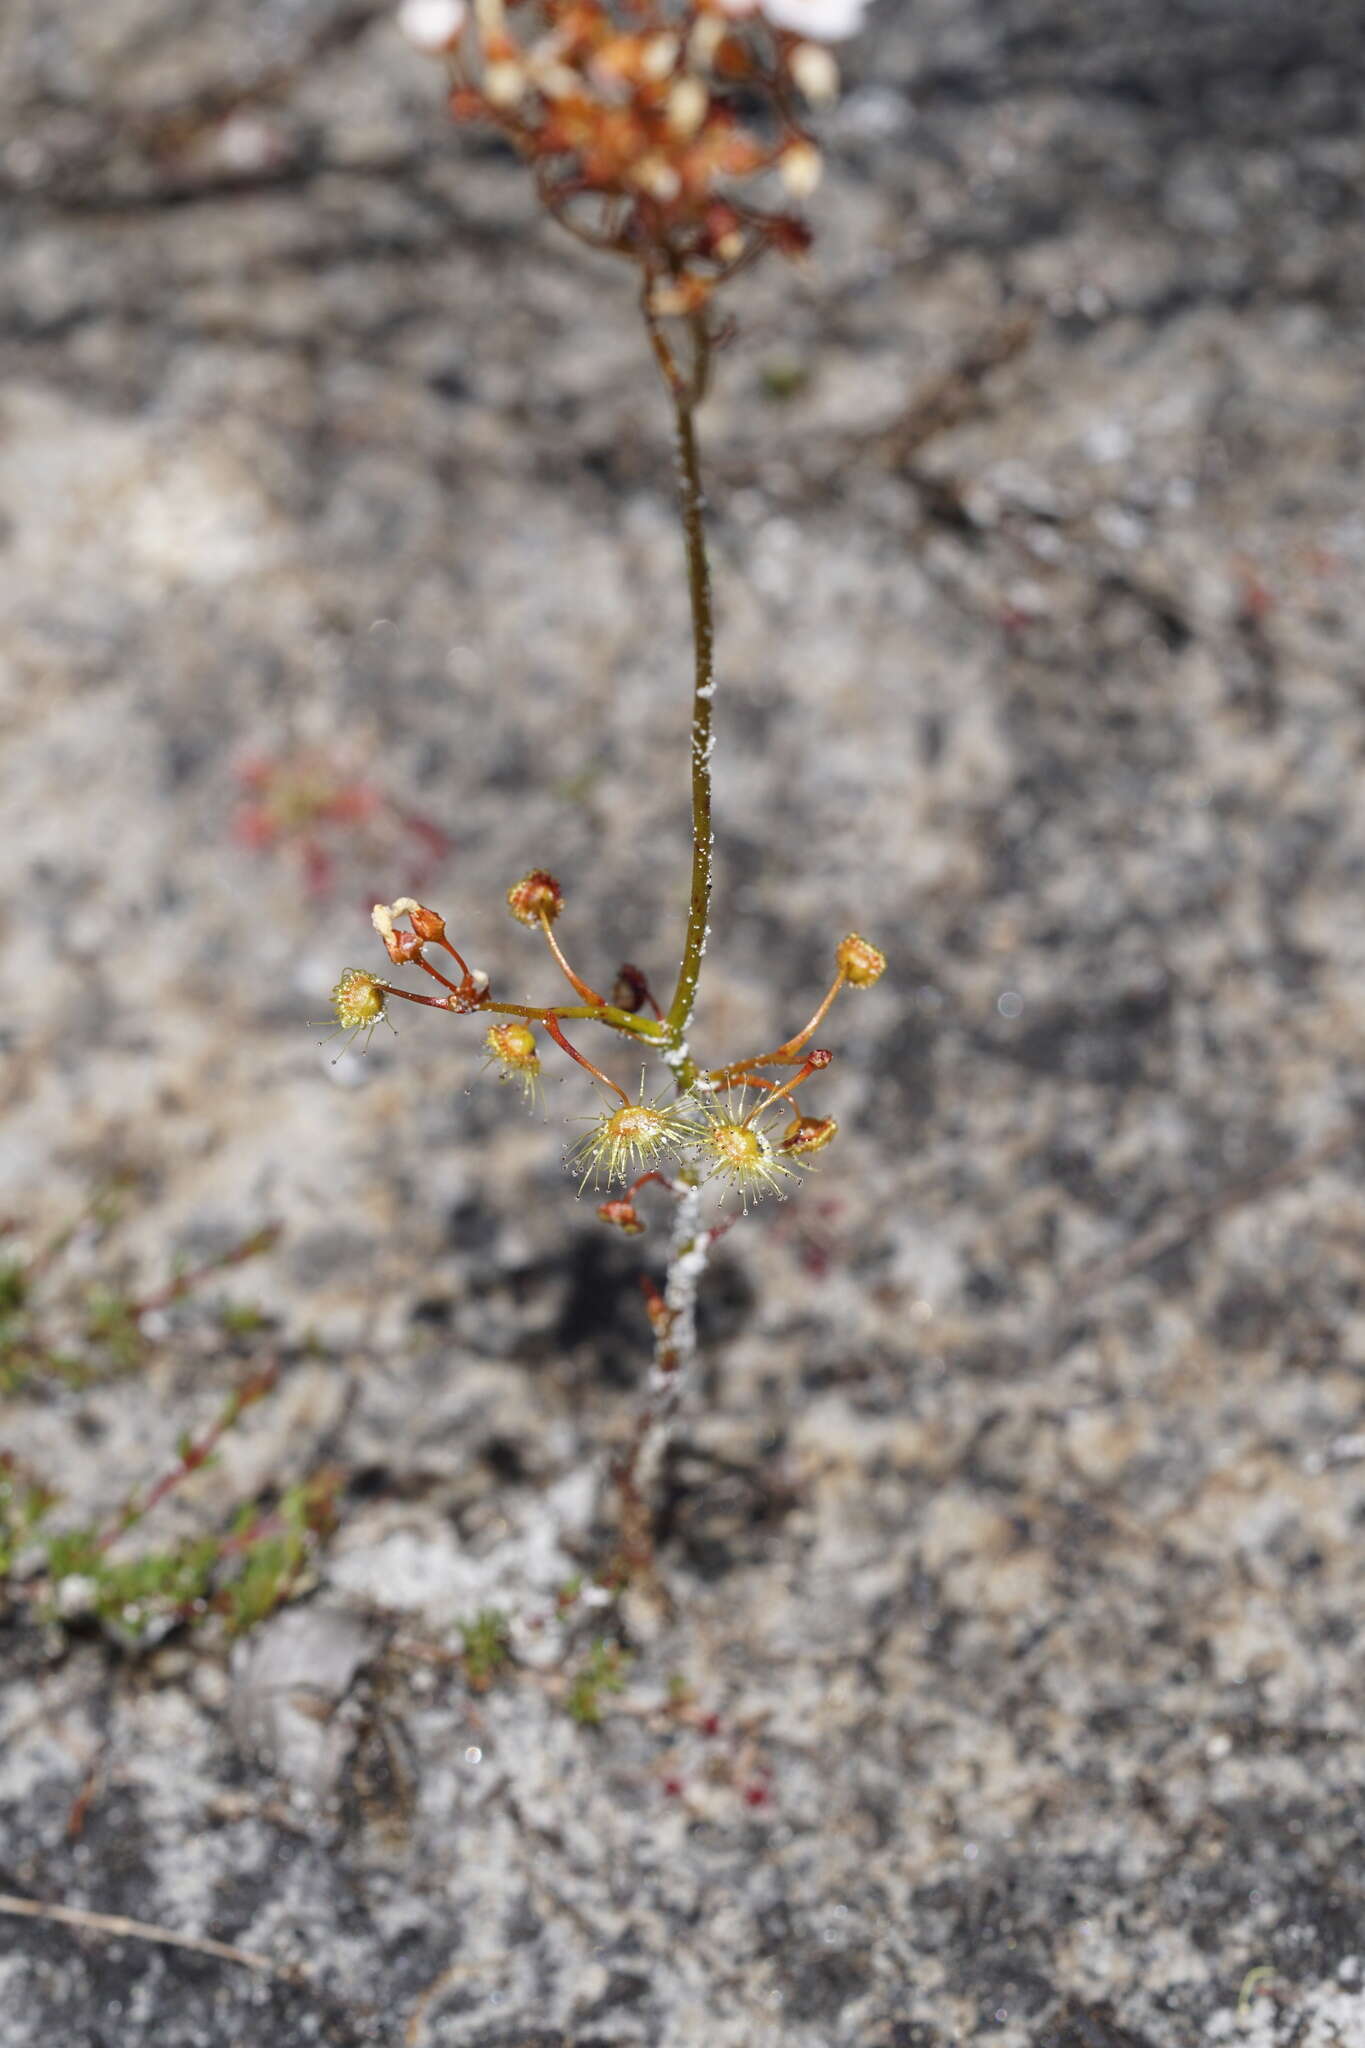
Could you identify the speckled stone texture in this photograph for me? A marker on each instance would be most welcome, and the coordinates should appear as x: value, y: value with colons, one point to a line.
x: 1014, y: 1531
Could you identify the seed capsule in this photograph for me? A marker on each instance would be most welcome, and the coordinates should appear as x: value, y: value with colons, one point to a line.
x: 807, y: 1134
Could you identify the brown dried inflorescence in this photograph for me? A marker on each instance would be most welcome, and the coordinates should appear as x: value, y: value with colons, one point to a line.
x: 669, y: 132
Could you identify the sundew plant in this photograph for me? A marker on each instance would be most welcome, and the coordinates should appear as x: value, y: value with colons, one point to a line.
x: 674, y: 135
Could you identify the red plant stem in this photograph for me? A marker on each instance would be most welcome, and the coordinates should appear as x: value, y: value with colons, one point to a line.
x: 264, y: 1524
x: 589, y: 995
x: 776, y: 1094
x: 271, y: 1520
x: 456, y: 957
x: 788, y: 1050
x: 552, y: 1026
x: 605, y: 1013
x: 408, y: 995
x: 192, y: 1457
x: 184, y: 1283
x: 540, y: 1013
x: 436, y: 972
x: 794, y: 1045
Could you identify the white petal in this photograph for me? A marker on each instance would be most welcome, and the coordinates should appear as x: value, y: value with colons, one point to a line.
x: 431, y: 25
x: 828, y: 21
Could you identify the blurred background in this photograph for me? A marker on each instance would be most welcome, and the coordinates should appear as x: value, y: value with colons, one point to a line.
x: 1013, y: 1533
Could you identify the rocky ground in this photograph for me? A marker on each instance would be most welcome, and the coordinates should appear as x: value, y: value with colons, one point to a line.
x: 1011, y: 1691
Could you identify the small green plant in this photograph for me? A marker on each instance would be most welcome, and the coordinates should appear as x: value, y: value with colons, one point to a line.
x: 58, y: 1333
x: 602, y: 1672
x: 56, y: 1328
x: 67, y: 1572
x: 672, y: 134
x: 487, y: 1647
x: 24, y: 1507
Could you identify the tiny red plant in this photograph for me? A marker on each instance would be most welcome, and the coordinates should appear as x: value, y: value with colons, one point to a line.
x: 317, y: 807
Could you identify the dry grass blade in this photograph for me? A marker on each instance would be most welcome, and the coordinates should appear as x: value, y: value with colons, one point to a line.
x: 117, y: 1926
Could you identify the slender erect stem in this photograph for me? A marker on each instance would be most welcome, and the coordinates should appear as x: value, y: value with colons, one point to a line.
x: 687, y: 391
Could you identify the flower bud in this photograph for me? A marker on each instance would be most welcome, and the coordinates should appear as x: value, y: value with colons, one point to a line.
x: 800, y: 168
x: 428, y: 924
x: 358, y: 999
x: 401, y: 947
x: 535, y: 896
x: 656, y: 176
x: 680, y: 297
x: 630, y: 991
x: 705, y: 39
x: 862, y: 962
x: 432, y: 26
x: 659, y: 55
x: 504, y: 82
x: 815, y: 73
x: 807, y: 1134
x: 687, y: 105
x: 622, y: 1212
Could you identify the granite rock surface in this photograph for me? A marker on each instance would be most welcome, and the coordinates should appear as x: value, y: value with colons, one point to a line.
x: 1011, y: 1687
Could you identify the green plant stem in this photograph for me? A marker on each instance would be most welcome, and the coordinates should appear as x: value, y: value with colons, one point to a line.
x: 604, y: 1013
x: 537, y: 1013
x: 686, y: 394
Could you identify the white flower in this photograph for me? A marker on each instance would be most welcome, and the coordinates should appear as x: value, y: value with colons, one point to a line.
x: 799, y: 167
x: 431, y: 25
x: 827, y: 21
x: 815, y: 72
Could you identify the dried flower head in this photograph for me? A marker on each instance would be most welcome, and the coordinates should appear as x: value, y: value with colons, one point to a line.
x: 622, y: 1214
x: 429, y: 925
x: 402, y: 947
x: 536, y: 896
x: 828, y: 21
x: 650, y: 127
x: 862, y: 962
x: 631, y: 1139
